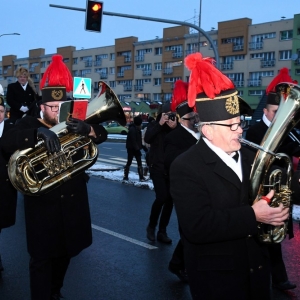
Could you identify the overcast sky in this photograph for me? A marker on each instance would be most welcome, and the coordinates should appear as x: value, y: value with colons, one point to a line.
x: 42, y: 26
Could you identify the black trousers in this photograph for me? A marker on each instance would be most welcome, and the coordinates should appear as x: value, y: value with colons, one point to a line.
x: 47, y: 276
x: 278, y: 270
x: 163, y: 204
x: 131, y: 154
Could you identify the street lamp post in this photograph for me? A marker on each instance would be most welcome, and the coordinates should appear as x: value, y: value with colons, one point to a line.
x: 10, y: 34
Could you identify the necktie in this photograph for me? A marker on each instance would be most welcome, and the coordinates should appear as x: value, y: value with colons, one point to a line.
x: 236, y: 156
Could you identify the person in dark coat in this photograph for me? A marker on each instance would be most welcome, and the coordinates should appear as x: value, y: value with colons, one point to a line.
x: 256, y: 134
x: 134, y: 146
x: 20, y: 95
x: 8, y: 199
x: 162, y: 206
x: 58, y: 223
x: 209, y: 185
x: 176, y: 142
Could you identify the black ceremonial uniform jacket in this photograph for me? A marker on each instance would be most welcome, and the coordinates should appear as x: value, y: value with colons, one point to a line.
x: 176, y: 142
x: 222, y: 257
x: 8, y: 198
x: 16, y: 97
x: 57, y: 223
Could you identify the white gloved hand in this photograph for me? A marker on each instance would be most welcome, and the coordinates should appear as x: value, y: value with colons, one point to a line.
x: 24, y: 109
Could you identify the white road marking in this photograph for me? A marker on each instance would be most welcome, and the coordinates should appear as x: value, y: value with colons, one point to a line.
x: 124, y: 237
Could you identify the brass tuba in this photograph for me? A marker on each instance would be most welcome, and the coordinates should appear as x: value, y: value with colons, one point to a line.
x: 261, y: 182
x: 35, y: 172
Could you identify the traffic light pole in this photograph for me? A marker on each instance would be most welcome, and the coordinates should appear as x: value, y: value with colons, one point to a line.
x: 153, y: 20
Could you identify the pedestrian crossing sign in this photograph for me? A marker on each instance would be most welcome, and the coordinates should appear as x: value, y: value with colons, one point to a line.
x: 82, y: 88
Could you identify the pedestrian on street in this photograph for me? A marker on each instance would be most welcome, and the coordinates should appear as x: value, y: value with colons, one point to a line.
x: 58, y: 223
x: 8, y: 199
x: 162, y: 206
x: 176, y: 142
x: 209, y: 185
x: 134, y: 146
x: 256, y: 134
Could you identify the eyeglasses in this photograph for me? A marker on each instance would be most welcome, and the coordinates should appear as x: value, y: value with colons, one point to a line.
x: 54, y: 108
x: 233, y: 127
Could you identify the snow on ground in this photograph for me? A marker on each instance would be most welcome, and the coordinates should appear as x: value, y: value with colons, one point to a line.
x: 116, y: 174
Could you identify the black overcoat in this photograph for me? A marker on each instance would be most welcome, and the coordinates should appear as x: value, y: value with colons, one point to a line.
x: 57, y: 223
x: 16, y: 97
x: 223, y: 258
x: 8, y: 198
x: 176, y: 142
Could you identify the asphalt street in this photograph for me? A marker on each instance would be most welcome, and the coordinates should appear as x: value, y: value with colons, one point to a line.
x: 121, y: 264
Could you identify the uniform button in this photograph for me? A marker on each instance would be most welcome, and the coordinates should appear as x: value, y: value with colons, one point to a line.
x: 72, y: 195
x: 249, y: 236
x: 260, y: 267
x: 26, y: 139
x: 251, y: 270
x: 61, y: 196
x: 7, y: 179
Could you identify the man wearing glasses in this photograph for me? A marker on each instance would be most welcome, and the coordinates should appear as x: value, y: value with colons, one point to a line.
x: 20, y: 95
x: 209, y: 186
x: 58, y: 223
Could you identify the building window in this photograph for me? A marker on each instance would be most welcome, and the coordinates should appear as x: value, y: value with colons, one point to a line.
x: 112, y: 56
x: 285, y: 55
x: 286, y: 35
x: 101, y: 56
x: 75, y: 60
x: 157, y: 81
x: 112, y: 84
x: 158, y: 51
x: 86, y: 58
x: 112, y: 70
x: 158, y: 66
x: 43, y: 64
x: 256, y: 93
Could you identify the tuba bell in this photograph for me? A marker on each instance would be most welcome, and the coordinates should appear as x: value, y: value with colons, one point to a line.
x: 261, y: 182
x: 35, y: 172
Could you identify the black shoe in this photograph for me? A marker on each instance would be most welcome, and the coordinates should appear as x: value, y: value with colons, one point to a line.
x: 163, y: 237
x: 150, y: 233
x: 181, y: 274
x: 287, y: 285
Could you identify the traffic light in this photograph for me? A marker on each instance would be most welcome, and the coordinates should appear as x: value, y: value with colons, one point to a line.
x: 93, y: 15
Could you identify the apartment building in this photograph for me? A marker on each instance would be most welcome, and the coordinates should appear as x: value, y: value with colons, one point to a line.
x: 145, y: 71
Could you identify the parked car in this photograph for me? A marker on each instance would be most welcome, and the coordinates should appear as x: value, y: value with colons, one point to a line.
x: 116, y: 128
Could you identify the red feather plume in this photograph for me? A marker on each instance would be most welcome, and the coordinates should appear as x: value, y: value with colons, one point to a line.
x: 57, y: 74
x: 180, y: 92
x: 283, y: 76
x: 205, y: 77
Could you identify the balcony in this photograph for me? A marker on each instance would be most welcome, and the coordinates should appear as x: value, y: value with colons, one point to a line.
x: 168, y: 71
x: 97, y: 63
x: 256, y: 46
x: 238, y: 83
x: 254, y: 82
x: 267, y: 63
x: 88, y: 63
x: 138, y: 88
x: 139, y: 58
x: 127, y: 59
x: 121, y: 74
x: 237, y: 47
x: 127, y: 88
x: 103, y: 75
x: 147, y: 72
x: 297, y: 61
x: 227, y: 66
x: 177, y: 54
